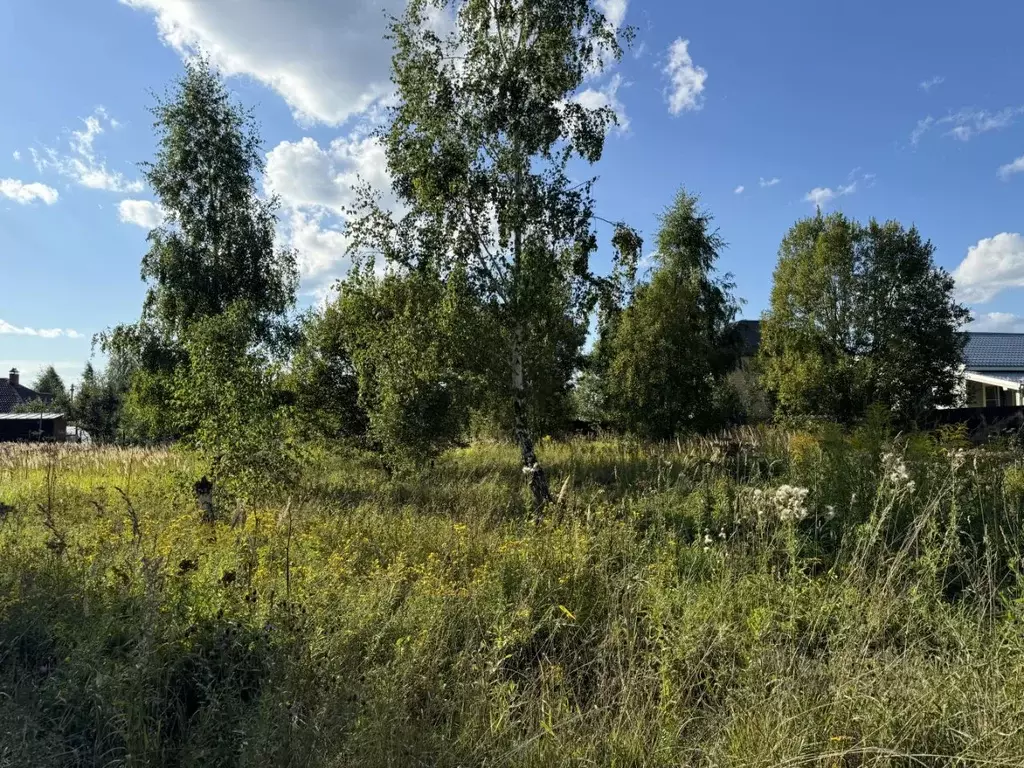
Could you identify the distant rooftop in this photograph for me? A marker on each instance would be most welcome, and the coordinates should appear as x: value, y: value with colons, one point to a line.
x: 30, y: 416
x: 994, y: 351
x: 13, y: 395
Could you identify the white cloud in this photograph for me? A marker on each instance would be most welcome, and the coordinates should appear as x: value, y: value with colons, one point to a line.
x: 142, y: 213
x: 967, y: 123
x: 614, y: 11
x: 991, y: 266
x: 321, y: 249
x: 687, y: 79
x: 607, y: 96
x: 42, y: 333
x: 1006, y: 171
x: 923, y: 126
x: 931, y: 82
x: 305, y: 175
x: 316, y: 187
x: 23, y: 193
x: 769, y: 182
x: 819, y: 197
x: 326, y: 58
x: 16, y: 155
x: 82, y: 165
x: 998, y: 322
x: 739, y: 190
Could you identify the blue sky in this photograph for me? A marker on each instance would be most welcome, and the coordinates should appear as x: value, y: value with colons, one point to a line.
x: 911, y: 110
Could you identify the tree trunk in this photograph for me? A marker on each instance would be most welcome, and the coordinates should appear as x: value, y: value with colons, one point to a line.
x: 531, y: 467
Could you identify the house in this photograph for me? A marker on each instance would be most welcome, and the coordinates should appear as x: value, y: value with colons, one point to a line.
x: 993, y: 366
x: 15, y: 427
x: 13, y: 393
x: 994, y: 370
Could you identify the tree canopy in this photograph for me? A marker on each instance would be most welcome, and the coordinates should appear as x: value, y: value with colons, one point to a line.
x: 214, y: 252
x: 860, y: 315
x: 49, y: 382
x: 479, y: 145
x: 668, y: 351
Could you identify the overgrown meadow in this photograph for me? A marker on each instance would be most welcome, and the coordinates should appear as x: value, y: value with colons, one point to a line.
x: 769, y: 598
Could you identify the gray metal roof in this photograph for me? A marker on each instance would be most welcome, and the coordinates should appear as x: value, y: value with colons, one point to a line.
x: 994, y: 351
x: 30, y: 416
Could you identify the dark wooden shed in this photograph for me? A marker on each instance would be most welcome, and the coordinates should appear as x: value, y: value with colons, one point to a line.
x: 33, y: 427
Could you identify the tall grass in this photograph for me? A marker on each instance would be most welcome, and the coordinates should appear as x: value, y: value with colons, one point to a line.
x: 773, y: 598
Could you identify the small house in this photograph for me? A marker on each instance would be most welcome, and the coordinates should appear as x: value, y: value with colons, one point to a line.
x: 13, y: 393
x: 34, y: 427
x: 994, y: 370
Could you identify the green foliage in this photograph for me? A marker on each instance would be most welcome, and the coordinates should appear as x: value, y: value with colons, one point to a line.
x: 750, y: 402
x: 215, y: 247
x: 228, y: 403
x: 324, y: 378
x: 860, y: 315
x: 50, y: 383
x: 670, y: 349
x: 414, y: 343
x: 98, y: 403
x: 588, y: 398
x: 479, y: 145
x: 774, y: 599
x: 552, y: 354
x: 32, y: 406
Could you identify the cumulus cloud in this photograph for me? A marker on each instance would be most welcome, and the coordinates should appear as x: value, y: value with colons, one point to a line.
x: 819, y: 197
x: 42, y: 333
x: 320, y: 246
x: 686, y: 79
x: 769, y: 182
x: 998, y: 322
x: 606, y: 96
x: 931, y: 82
x: 326, y: 58
x: 739, y: 190
x: 967, y: 123
x: 1006, y: 171
x: 992, y: 265
x: 16, y: 155
x: 306, y: 175
x: 316, y: 187
x: 23, y: 194
x: 142, y: 213
x: 82, y: 164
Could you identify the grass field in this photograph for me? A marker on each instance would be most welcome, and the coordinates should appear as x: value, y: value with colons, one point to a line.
x: 779, y: 599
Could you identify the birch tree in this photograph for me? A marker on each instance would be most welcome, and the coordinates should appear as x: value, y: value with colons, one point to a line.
x: 483, y: 146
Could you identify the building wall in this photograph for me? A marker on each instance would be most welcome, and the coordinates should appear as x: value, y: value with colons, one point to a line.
x: 979, y: 395
x: 14, y: 430
x: 975, y: 395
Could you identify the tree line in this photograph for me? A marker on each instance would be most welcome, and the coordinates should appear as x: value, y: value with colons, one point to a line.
x: 468, y: 311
